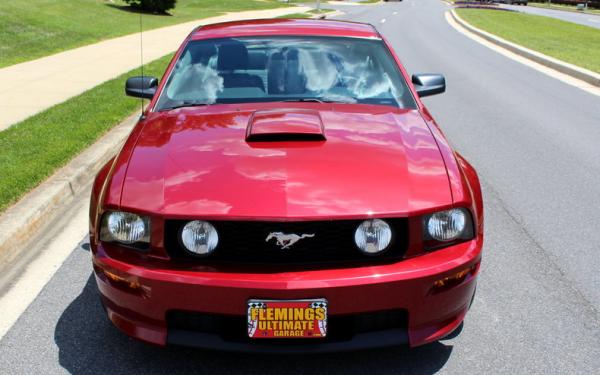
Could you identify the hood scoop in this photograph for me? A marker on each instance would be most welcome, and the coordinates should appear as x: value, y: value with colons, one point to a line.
x: 285, y: 125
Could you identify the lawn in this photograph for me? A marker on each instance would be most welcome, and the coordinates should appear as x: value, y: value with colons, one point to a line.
x: 31, y: 29
x: 569, y: 8
x: 308, y: 14
x: 576, y: 44
x: 34, y: 148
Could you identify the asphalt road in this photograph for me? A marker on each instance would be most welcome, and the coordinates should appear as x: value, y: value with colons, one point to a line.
x: 591, y: 20
x: 535, y: 142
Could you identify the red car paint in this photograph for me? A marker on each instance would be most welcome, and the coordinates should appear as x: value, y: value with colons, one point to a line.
x: 197, y: 163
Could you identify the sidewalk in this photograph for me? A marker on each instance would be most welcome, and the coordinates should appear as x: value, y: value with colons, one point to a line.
x: 33, y: 86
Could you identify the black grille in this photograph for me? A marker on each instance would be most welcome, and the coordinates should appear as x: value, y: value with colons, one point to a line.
x: 245, y: 242
x: 339, y: 327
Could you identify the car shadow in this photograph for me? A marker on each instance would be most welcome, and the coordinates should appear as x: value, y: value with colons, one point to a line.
x: 88, y: 343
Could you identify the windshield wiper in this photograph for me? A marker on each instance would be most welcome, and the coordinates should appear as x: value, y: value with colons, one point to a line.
x: 184, y: 104
x: 305, y: 100
x: 321, y: 100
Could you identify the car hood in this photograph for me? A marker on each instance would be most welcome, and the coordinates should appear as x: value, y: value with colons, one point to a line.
x: 198, y: 162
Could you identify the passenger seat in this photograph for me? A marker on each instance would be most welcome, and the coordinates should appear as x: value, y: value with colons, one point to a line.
x: 233, y: 56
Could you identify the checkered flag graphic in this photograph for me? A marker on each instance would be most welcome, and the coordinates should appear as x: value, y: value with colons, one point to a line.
x: 322, y: 323
x: 252, y: 326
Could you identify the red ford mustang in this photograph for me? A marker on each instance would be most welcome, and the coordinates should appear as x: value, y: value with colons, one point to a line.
x: 286, y: 190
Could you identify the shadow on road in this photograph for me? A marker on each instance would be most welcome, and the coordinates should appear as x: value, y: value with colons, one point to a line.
x: 130, y: 9
x: 88, y: 343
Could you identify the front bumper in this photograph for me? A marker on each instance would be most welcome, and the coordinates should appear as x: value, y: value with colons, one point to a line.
x: 138, y: 298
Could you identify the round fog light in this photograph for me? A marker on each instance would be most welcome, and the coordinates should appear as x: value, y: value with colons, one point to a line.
x: 373, y: 236
x: 199, y: 237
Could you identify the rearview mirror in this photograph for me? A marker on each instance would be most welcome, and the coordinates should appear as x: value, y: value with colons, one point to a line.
x: 428, y: 84
x: 141, y: 87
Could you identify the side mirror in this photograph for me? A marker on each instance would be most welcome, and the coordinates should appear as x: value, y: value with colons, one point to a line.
x: 141, y: 87
x: 428, y: 84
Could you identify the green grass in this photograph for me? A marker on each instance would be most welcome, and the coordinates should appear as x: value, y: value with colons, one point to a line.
x: 31, y: 29
x: 568, y: 8
x: 323, y: 10
x: 308, y: 14
x: 570, y: 42
x: 296, y: 15
x: 34, y: 148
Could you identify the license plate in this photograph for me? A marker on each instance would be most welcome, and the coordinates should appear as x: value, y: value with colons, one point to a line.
x: 287, y: 319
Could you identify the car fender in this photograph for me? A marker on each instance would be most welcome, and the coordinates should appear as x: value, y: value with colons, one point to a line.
x: 463, y: 180
x: 95, y: 198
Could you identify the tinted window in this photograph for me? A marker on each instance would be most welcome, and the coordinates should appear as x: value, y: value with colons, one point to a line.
x: 237, y: 70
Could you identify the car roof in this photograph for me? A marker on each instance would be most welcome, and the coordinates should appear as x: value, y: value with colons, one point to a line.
x: 284, y: 26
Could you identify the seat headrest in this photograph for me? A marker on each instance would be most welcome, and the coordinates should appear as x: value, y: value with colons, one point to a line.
x: 285, y: 75
x: 276, y: 74
x: 233, y: 55
x: 257, y: 60
x: 202, y: 52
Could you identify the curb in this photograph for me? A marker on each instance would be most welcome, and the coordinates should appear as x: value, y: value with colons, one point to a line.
x: 550, y: 62
x: 22, y: 221
x: 328, y: 15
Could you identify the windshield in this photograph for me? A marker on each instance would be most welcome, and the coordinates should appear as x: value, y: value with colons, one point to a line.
x: 261, y: 69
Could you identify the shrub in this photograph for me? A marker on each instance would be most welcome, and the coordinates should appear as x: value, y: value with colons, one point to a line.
x: 156, y: 6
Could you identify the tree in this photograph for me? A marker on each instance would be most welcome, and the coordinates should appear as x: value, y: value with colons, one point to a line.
x: 156, y: 6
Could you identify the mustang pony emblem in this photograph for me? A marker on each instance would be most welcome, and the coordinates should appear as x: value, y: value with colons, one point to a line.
x: 287, y: 240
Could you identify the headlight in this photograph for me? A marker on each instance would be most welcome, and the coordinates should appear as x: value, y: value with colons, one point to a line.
x: 199, y: 237
x: 373, y: 236
x: 125, y: 227
x: 449, y: 225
